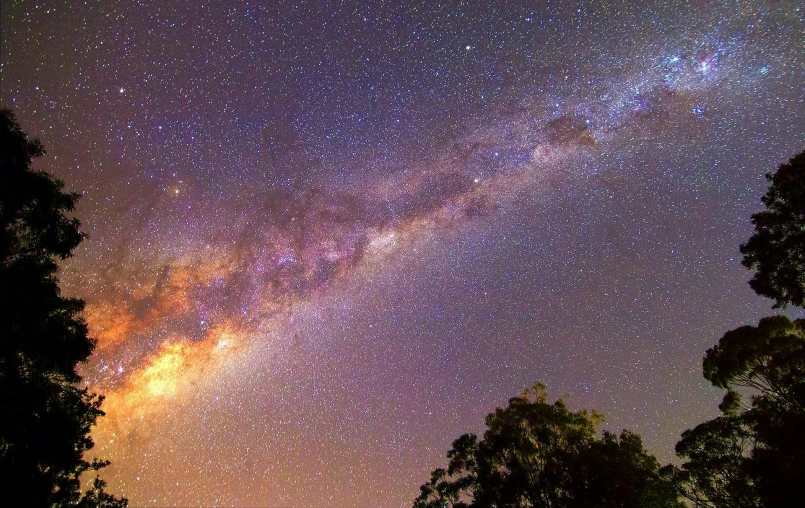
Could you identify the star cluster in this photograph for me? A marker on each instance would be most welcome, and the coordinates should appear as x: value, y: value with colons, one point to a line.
x: 328, y: 238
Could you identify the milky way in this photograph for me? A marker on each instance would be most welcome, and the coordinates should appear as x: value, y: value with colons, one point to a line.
x: 324, y: 241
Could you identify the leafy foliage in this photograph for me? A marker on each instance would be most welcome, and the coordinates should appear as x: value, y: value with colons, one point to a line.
x: 46, y: 417
x: 768, y: 358
x: 776, y: 251
x: 539, y: 454
x: 716, y: 473
x: 617, y: 472
x: 753, y: 455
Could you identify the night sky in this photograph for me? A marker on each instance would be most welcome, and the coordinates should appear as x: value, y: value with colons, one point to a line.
x: 327, y: 239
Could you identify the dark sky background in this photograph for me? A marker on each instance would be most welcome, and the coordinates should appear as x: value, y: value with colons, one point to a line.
x: 326, y: 239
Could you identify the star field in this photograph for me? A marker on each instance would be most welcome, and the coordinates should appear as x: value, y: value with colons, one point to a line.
x: 325, y: 239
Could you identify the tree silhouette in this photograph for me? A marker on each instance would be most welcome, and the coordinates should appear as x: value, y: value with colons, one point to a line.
x: 716, y: 472
x: 539, y: 454
x: 616, y: 471
x: 776, y: 251
x: 46, y: 418
x: 753, y: 455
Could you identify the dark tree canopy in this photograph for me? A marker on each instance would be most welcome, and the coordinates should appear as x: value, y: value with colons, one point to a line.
x: 539, y: 454
x: 716, y: 473
x: 776, y: 251
x: 753, y: 455
x: 46, y: 418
